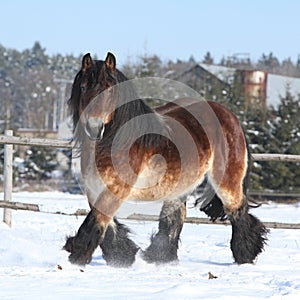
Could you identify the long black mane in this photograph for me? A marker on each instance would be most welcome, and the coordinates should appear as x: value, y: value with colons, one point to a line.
x: 74, y: 101
x: 127, y: 115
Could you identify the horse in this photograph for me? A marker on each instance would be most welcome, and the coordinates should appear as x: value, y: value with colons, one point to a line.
x: 130, y: 150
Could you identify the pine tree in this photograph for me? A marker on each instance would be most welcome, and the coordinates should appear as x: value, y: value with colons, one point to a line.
x: 149, y: 67
x: 285, y: 139
x: 208, y: 59
x: 258, y: 134
x: 269, y: 62
x: 40, y: 162
x: 288, y: 68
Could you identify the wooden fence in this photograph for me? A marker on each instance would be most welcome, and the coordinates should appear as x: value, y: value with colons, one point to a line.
x: 56, y: 143
x: 9, y: 140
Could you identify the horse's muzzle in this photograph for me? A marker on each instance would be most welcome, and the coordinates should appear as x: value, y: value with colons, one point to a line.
x: 94, y: 128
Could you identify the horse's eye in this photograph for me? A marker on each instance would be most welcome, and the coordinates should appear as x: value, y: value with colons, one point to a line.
x: 82, y: 88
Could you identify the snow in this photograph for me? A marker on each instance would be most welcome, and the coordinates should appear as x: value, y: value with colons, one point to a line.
x: 33, y: 266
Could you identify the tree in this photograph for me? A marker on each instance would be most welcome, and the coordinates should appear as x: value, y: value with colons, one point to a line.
x: 208, y: 59
x: 39, y: 163
x: 288, y: 68
x: 269, y: 62
x: 149, y: 66
x: 38, y: 55
x: 259, y: 135
x: 256, y: 121
x: 284, y: 138
x: 298, y: 66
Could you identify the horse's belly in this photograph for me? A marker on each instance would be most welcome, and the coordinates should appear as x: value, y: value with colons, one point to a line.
x: 166, y: 186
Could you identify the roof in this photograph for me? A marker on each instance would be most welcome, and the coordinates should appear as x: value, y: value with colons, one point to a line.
x: 277, y: 86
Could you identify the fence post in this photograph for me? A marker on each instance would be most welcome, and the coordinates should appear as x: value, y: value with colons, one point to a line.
x: 8, y: 177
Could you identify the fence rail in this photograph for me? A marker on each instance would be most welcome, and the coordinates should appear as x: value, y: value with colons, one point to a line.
x: 276, y: 157
x: 136, y: 217
x: 28, y: 141
x: 9, y: 140
x: 56, y: 143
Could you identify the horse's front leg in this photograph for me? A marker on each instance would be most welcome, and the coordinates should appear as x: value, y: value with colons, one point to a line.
x: 164, y: 244
x: 118, y: 249
x: 89, y: 236
x: 92, y: 231
x: 100, y: 228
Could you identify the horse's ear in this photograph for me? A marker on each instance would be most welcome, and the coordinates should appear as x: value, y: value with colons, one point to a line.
x: 110, y: 61
x: 87, y: 62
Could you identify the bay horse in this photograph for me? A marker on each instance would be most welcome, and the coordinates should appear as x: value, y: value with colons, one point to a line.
x: 129, y: 150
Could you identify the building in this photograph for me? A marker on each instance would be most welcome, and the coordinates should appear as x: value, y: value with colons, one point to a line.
x: 253, y: 84
x: 272, y: 86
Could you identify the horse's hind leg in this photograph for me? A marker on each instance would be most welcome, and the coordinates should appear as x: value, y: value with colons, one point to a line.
x: 164, y: 244
x: 117, y: 249
x: 248, y: 232
x: 248, y: 235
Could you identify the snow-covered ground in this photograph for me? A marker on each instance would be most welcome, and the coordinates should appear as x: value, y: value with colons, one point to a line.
x: 33, y: 266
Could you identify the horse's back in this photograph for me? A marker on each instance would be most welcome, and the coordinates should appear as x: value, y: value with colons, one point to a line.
x: 208, y: 120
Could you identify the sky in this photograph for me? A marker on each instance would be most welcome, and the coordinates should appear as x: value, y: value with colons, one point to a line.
x: 170, y: 29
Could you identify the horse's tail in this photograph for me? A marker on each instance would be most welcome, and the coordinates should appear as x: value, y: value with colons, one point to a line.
x: 209, y: 202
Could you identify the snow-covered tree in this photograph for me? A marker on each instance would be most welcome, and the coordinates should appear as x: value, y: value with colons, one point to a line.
x: 286, y: 132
